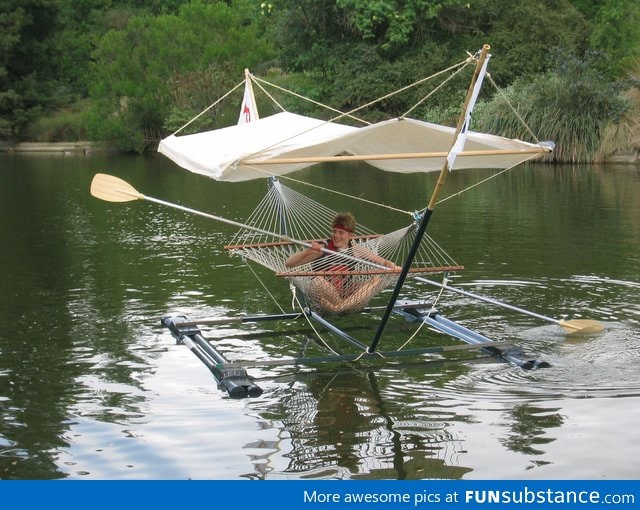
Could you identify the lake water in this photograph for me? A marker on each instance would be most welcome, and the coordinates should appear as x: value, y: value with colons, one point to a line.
x: 93, y: 387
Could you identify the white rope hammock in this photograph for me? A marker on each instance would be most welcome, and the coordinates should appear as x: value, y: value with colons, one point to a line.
x: 338, y: 282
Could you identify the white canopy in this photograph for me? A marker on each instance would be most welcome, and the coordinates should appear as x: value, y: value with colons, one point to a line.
x: 286, y: 142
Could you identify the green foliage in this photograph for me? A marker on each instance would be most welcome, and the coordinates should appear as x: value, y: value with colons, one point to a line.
x: 45, y: 48
x: 571, y: 106
x: 64, y: 125
x: 27, y: 62
x: 169, y: 67
x: 305, y: 33
x: 616, y: 34
x: 391, y: 23
x: 150, y: 65
x: 526, y: 36
x: 362, y: 75
x: 623, y: 135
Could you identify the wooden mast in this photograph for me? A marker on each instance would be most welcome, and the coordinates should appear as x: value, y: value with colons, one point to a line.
x: 432, y: 203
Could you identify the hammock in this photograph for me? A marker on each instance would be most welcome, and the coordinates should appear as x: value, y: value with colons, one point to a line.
x: 337, y: 282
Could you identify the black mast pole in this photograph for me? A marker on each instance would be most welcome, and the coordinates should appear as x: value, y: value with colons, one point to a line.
x: 422, y: 227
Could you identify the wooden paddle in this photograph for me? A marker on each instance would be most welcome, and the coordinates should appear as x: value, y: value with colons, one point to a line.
x: 574, y: 326
x: 113, y: 189
x: 583, y: 326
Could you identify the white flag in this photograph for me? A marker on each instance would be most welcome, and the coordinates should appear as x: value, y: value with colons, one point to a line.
x: 248, y: 110
x: 458, y: 146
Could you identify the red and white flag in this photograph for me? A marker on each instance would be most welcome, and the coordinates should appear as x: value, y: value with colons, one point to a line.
x: 248, y: 110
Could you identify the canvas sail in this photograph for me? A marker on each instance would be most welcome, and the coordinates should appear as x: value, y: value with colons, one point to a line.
x: 286, y: 142
x: 241, y: 152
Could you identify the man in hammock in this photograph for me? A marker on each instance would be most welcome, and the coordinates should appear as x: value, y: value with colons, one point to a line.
x: 340, y: 293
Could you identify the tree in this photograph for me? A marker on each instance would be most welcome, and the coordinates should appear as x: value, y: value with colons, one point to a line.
x: 159, y: 70
x: 360, y: 49
x: 616, y: 33
x: 28, y: 62
x: 571, y: 105
x: 394, y: 24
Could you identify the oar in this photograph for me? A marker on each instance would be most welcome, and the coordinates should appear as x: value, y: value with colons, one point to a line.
x: 113, y: 189
x: 583, y: 326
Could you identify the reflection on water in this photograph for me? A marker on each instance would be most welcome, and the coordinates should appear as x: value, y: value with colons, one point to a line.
x: 92, y: 386
x: 341, y: 425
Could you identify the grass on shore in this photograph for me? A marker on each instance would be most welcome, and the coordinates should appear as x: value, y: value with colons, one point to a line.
x: 67, y: 124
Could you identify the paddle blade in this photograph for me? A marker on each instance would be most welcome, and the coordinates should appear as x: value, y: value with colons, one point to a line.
x: 113, y: 189
x: 582, y: 326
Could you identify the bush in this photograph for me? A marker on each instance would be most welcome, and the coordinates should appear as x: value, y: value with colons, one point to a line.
x: 158, y: 70
x: 571, y: 106
x: 64, y: 125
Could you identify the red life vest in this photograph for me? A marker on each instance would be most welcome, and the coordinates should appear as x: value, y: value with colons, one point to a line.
x: 340, y: 282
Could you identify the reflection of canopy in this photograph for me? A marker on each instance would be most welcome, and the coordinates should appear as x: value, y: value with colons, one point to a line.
x: 243, y: 152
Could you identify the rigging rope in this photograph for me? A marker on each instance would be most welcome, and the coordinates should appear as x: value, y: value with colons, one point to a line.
x: 474, y: 185
x: 422, y: 323
x: 264, y: 286
x: 452, y: 72
x: 506, y: 99
x: 333, y: 191
x: 305, y: 313
x: 207, y: 109
x: 350, y: 113
x: 453, y: 75
x: 259, y: 81
x: 456, y: 68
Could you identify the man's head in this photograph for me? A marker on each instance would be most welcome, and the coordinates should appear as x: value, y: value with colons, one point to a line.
x: 344, y: 221
x: 342, y: 228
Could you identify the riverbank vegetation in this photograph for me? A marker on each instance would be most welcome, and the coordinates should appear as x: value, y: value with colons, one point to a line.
x: 129, y: 72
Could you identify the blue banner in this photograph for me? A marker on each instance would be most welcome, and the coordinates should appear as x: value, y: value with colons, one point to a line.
x: 321, y: 495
